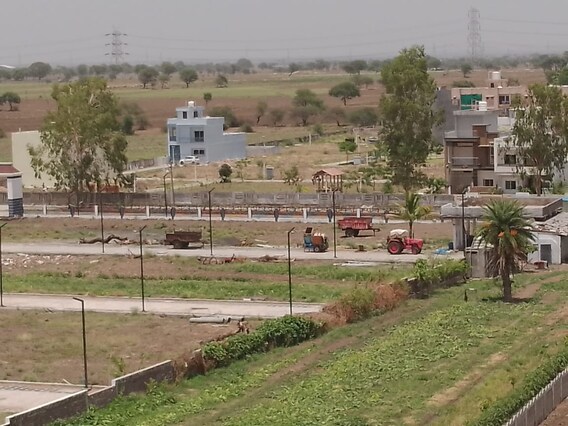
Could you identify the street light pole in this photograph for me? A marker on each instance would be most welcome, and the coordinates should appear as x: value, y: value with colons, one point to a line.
x: 210, y: 222
x: 142, y: 268
x: 172, y: 184
x: 290, y: 271
x: 463, y: 221
x: 1, y: 272
x: 165, y: 194
x: 334, y: 225
x: 84, y: 340
x: 102, y: 220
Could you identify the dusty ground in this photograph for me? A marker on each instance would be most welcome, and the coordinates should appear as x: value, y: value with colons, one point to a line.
x: 47, y: 346
x: 558, y: 417
x: 224, y: 233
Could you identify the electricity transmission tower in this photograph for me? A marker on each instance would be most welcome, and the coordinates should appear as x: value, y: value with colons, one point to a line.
x: 474, y: 45
x: 117, y: 52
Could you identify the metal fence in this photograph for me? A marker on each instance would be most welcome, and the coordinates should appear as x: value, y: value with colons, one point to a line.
x: 544, y: 403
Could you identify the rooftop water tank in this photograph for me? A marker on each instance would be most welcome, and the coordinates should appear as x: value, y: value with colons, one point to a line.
x: 495, y: 75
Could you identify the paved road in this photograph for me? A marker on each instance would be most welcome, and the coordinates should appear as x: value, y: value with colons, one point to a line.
x: 161, y: 306
x: 378, y: 256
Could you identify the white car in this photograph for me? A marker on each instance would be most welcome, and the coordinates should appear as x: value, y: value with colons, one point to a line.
x: 190, y: 159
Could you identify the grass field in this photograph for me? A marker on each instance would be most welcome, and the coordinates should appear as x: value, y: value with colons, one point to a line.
x: 47, y: 346
x: 438, y: 362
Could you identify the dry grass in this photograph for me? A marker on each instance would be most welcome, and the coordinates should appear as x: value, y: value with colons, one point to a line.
x: 41, y: 346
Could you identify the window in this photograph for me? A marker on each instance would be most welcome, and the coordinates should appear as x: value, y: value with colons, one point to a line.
x: 195, y: 114
x: 504, y: 99
x: 510, y: 159
x: 487, y: 182
x: 173, y: 134
x: 511, y: 184
x: 199, y: 136
x: 184, y: 114
x: 492, y: 157
x: 198, y: 152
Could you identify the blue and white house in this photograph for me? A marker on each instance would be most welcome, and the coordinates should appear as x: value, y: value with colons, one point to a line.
x: 192, y: 133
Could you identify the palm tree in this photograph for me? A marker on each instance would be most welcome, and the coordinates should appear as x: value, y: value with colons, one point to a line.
x: 411, y: 211
x: 509, y: 236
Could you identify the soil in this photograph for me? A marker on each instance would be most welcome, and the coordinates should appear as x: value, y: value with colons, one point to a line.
x: 47, y: 347
x: 558, y: 417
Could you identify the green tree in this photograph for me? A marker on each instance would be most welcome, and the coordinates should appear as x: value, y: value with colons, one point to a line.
x: 276, y: 116
x: 305, y: 97
x: 292, y: 68
x: 221, y: 81
x: 225, y: 172
x: 82, y: 70
x: 508, y: 236
x: 363, y: 117
x: 168, y: 68
x: 347, y: 146
x: 261, y: 108
x: 337, y: 114
x: 132, y: 109
x: 362, y: 80
x: 344, y: 91
x: 147, y: 76
x: 207, y: 96
x: 305, y: 113
x: 226, y: 112
x: 81, y: 140
x: 99, y: 70
x: 11, y: 98
x: 244, y: 65
x: 355, y: 67
x: 411, y: 211
x: 540, y: 133
x: 408, y: 115
x: 292, y: 176
x: 39, y: 70
x: 164, y: 80
x: 466, y: 69
x: 188, y: 76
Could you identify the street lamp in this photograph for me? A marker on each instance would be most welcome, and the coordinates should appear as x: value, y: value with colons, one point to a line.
x: 84, y: 340
x: 1, y: 283
x: 334, y: 225
x: 463, y: 220
x: 290, y: 271
x: 172, y: 185
x: 210, y: 221
x: 102, y: 220
x: 165, y: 194
x: 142, y: 267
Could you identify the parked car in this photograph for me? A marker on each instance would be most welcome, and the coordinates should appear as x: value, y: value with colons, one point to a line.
x: 190, y: 159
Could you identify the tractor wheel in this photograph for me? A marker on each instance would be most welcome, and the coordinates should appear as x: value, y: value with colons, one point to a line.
x: 355, y: 232
x: 177, y: 244
x: 416, y: 250
x: 394, y: 247
x: 349, y: 232
x: 317, y: 249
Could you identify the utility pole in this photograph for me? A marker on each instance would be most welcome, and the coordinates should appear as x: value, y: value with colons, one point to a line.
x: 474, y: 44
x: 117, y: 51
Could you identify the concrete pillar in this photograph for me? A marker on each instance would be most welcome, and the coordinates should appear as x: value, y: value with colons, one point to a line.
x: 305, y: 214
x: 199, y: 212
x: 45, y: 209
x: 249, y: 213
x: 358, y: 212
x: 147, y: 211
x: 458, y: 234
x: 15, y: 195
x: 96, y: 209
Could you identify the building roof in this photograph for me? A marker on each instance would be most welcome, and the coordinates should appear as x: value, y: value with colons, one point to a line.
x: 331, y: 171
x: 7, y: 169
x: 556, y: 225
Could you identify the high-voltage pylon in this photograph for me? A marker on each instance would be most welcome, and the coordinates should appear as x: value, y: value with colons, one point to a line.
x: 117, y: 52
x: 474, y: 44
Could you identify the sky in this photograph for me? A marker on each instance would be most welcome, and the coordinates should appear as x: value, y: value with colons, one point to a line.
x: 70, y: 32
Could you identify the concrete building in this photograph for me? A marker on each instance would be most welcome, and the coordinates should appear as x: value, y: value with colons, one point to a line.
x: 22, y: 161
x: 191, y: 133
x: 14, y: 188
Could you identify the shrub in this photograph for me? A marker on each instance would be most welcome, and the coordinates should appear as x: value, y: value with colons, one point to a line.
x: 463, y: 83
x: 227, y: 113
x: 247, y: 128
x: 318, y: 129
x: 285, y: 331
x: 429, y: 276
x: 502, y: 410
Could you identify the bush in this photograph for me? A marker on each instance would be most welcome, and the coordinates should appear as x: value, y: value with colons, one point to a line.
x: 285, y: 331
x: 128, y: 125
x: 247, y: 128
x: 363, y: 117
x: 318, y: 129
x: 226, y: 112
x: 502, y: 410
x: 430, y: 276
x: 463, y: 83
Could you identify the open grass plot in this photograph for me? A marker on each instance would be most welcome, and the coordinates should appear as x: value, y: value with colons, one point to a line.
x: 437, y: 361
x: 47, y: 346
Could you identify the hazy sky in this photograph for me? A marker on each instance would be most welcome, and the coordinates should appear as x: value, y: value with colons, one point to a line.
x: 73, y: 31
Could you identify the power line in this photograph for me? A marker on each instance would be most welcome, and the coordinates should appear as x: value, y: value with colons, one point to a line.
x: 474, y: 34
x: 117, y: 52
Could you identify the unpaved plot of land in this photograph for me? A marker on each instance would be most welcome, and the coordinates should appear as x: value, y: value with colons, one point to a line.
x: 45, y: 346
x: 558, y: 417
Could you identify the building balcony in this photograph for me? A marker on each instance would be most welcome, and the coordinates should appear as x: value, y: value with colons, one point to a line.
x: 464, y: 162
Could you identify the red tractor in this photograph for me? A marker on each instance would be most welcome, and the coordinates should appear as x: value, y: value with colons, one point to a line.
x: 398, y: 241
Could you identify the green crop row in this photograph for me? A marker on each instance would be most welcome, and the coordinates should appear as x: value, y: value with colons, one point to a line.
x: 502, y: 410
x: 285, y: 331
